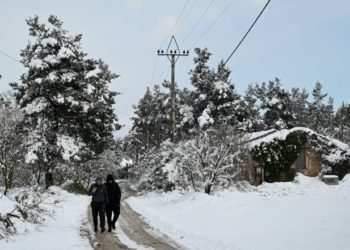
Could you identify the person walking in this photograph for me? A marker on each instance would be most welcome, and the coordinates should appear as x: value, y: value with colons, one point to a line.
x: 99, y: 200
x: 114, y: 196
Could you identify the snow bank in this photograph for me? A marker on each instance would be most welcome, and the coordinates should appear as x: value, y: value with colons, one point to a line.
x: 304, y: 214
x: 61, y: 229
x: 6, y: 206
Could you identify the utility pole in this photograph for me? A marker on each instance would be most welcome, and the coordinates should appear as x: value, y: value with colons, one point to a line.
x: 173, y: 55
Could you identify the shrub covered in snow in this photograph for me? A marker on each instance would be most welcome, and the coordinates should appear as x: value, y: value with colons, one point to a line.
x: 22, y: 208
x: 212, y: 158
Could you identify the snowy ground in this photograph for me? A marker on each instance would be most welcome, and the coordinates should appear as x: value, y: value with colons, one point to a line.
x: 305, y: 214
x: 60, y: 230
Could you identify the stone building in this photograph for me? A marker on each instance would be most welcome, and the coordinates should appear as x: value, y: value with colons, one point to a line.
x: 309, y: 153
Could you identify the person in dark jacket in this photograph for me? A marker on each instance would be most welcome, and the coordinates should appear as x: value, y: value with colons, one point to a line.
x: 114, y: 196
x: 99, y: 200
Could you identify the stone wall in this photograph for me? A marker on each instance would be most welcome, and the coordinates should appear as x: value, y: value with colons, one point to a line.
x: 312, y: 163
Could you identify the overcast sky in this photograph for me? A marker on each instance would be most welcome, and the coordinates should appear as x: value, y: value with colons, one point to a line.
x: 299, y: 41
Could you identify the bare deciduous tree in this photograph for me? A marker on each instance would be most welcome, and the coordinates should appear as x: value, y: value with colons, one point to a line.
x: 11, y: 139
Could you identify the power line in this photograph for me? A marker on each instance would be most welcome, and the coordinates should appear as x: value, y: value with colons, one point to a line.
x: 176, y: 23
x: 198, y: 21
x: 154, y: 71
x: 186, y: 13
x: 12, y: 58
x: 166, y: 39
x: 213, y: 23
x: 256, y: 19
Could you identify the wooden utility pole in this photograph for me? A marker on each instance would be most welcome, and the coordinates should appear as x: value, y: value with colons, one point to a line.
x: 173, y: 55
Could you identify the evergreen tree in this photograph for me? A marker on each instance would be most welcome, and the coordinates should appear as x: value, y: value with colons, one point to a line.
x: 216, y: 101
x: 300, y: 105
x: 184, y: 115
x: 329, y: 117
x: 317, y: 109
x: 65, y: 98
x: 342, y: 123
x: 275, y: 101
x: 253, y: 121
x: 151, y: 120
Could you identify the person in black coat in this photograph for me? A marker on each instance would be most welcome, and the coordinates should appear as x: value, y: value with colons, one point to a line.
x: 99, y: 195
x: 114, y: 196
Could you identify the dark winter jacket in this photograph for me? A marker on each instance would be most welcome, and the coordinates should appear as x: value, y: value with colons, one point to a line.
x: 100, y: 195
x: 113, y: 191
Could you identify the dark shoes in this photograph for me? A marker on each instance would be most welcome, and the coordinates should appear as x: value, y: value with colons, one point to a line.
x: 102, y: 230
x: 113, y: 225
x: 109, y: 230
x: 95, y: 229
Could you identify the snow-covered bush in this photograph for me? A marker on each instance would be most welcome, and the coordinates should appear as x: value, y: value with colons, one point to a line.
x: 74, y: 187
x: 152, y: 170
x: 21, y: 207
x: 212, y: 158
x: 209, y: 159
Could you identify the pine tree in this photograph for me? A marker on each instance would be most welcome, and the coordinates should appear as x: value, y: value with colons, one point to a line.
x: 216, y: 101
x: 65, y: 98
x: 299, y: 106
x: 342, y: 123
x: 253, y: 121
x: 276, y: 103
x: 152, y: 118
x: 317, y: 109
x: 185, y: 116
x: 328, y: 126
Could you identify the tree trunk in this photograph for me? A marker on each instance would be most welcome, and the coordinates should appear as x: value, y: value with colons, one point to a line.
x: 48, y: 180
x: 207, y: 188
x: 7, y: 185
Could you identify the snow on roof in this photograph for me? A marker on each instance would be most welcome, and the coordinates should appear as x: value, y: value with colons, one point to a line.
x: 257, y: 135
x: 268, y: 136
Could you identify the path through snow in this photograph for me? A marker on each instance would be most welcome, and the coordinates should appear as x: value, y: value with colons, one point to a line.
x: 132, y: 231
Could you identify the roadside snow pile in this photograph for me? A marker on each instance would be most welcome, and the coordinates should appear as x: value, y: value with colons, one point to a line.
x: 19, y: 211
x: 6, y: 206
x: 304, y: 214
x: 50, y: 219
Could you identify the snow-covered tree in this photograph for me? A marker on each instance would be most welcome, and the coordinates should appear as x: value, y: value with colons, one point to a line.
x: 184, y: 114
x: 212, y: 158
x: 152, y: 118
x: 215, y: 99
x: 275, y: 101
x: 65, y: 98
x: 317, y: 109
x: 342, y: 123
x: 12, y: 140
x: 299, y: 106
x: 252, y: 118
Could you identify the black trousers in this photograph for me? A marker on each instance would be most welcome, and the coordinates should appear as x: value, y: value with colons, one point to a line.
x: 115, y: 209
x: 98, y: 209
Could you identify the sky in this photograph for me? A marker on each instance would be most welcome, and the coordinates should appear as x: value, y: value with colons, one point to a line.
x: 300, y: 42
